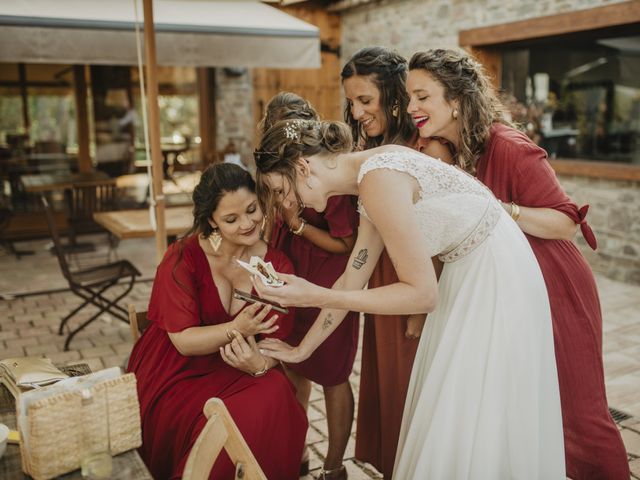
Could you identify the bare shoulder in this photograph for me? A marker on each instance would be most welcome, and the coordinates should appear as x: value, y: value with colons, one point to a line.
x: 387, y: 186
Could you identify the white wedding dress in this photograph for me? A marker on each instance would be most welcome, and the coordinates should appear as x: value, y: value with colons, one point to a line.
x: 483, y: 400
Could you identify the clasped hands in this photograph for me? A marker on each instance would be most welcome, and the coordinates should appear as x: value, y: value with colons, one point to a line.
x: 243, y: 353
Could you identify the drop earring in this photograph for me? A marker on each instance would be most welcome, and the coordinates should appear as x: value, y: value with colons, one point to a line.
x: 215, y: 239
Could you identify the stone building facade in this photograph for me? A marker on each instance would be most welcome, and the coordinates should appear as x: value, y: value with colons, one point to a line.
x: 412, y: 25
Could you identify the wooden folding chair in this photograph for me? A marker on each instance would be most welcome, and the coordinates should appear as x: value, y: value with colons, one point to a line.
x: 220, y: 432
x: 138, y: 322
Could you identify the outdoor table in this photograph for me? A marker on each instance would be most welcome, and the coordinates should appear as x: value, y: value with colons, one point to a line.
x: 136, y: 224
x: 65, y: 181
x: 126, y: 465
x: 177, y: 190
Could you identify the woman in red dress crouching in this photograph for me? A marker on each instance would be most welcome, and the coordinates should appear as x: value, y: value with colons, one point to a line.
x: 200, y: 343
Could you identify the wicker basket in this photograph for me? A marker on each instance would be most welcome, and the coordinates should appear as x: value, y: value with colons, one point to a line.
x: 55, y: 431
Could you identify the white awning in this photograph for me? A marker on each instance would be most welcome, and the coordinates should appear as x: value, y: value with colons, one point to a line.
x: 188, y: 33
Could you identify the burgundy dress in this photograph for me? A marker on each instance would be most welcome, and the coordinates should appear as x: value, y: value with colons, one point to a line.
x: 174, y: 388
x: 332, y: 361
x: 515, y: 169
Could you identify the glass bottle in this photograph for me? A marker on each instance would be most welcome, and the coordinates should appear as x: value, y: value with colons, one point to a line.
x: 95, y: 460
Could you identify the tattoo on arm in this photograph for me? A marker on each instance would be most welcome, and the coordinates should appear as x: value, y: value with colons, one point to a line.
x: 360, y: 259
x: 327, y: 322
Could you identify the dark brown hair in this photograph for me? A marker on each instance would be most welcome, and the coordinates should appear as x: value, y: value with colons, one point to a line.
x: 388, y: 72
x: 464, y: 80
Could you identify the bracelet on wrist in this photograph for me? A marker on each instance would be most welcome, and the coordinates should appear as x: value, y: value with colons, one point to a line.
x: 515, y: 211
x: 229, y: 334
x: 262, y: 371
x: 298, y: 231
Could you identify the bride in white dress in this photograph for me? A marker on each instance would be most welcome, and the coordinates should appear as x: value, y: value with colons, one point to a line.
x: 483, y: 402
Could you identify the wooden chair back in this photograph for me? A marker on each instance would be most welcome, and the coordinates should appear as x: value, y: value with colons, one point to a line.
x: 220, y: 432
x: 138, y: 322
x: 88, y: 197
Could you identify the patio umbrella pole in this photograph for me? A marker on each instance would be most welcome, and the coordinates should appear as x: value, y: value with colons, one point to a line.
x: 154, y: 128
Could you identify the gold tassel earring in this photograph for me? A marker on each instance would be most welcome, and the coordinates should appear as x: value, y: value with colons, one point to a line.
x: 215, y: 239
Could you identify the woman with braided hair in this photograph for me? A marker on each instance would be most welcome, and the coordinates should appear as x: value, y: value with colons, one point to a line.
x: 373, y: 80
x: 452, y: 98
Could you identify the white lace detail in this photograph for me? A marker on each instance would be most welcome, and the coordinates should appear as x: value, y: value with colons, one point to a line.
x: 476, y: 237
x: 456, y: 213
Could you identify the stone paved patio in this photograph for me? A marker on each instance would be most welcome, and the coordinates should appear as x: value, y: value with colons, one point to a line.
x: 29, y: 322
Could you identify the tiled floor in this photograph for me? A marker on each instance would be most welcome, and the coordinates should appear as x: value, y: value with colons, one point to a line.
x: 28, y: 326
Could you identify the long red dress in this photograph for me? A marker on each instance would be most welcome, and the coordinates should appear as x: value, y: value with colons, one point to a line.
x: 174, y: 388
x: 516, y: 169
x: 331, y: 363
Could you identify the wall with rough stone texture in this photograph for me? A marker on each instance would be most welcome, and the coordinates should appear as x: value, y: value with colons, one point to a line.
x: 234, y: 115
x: 614, y: 216
x: 412, y: 25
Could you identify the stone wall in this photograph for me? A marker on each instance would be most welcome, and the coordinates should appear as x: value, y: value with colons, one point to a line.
x: 234, y: 115
x: 614, y: 216
x: 412, y: 25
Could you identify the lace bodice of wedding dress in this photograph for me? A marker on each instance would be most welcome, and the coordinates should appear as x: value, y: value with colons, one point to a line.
x: 455, y: 211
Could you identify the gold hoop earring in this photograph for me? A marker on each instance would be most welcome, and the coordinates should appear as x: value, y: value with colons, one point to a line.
x: 454, y: 114
x: 215, y: 239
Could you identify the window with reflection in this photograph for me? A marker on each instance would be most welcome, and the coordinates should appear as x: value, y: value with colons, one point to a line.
x: 578, y: 95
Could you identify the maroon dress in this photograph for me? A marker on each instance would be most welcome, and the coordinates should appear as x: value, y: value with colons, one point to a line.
x: 174, y: 388
x: 516, y: 169
x: 332, y: 361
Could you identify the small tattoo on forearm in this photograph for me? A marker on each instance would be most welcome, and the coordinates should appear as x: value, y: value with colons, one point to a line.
x: 327, y: 322
x: 360, y: 259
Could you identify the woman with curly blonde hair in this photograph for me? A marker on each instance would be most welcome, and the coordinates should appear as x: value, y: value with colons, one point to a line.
x: 452, y: 98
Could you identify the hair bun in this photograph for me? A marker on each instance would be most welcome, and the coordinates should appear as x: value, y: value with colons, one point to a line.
x: 336, y: 137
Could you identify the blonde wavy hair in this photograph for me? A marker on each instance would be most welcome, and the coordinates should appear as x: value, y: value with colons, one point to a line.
x: 465, y: 80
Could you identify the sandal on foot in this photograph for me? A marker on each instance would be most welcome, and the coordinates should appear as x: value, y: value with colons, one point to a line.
x: 339, y: 473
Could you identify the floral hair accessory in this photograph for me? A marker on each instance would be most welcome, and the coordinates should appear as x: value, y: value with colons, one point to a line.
x: 292, y: 131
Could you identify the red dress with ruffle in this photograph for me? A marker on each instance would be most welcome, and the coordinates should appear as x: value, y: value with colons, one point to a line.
x: 516, y: 169
x: 173, y: 388
x: 331, y: 363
